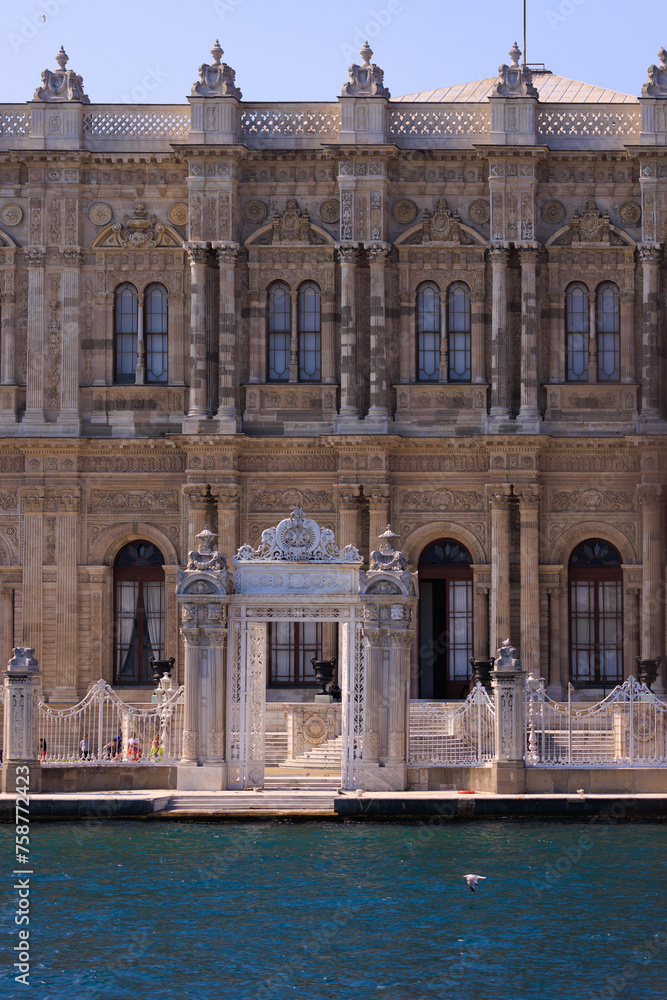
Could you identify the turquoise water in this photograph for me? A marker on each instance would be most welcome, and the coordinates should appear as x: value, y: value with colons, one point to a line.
x: 275, y: 910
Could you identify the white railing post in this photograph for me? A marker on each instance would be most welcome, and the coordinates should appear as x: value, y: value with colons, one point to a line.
x: 569, y: 723
x: 100, y: 723
x: 22, y: 682
x: 508, y: 679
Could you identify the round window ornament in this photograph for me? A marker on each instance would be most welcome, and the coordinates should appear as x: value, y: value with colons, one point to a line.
x: 480, y: 211
x: 11, y: 213
x: 254, y: 211
x: 630, y: 213
x: 404, y: 211
x: 330, y: 211
x: 553, y: 212
x: 178, y: 214
x: 100, y: 213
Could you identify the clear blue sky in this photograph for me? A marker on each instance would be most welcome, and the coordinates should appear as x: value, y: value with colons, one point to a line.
x: 148, y: 51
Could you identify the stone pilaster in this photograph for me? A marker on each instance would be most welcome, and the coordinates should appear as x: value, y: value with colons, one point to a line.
x: 67, y: 660
x: 379, y: 500
x: 328, y: 337
x: 500, y: 397
x: 198, y: 410
x: 347, y: 502
x: 529, y: 415
x: 529, y: 507
x: 33, y: 558
x: 20, y: 747
x: 6, y: 622
x: 649, y: 256
x: 200, y: 508
x: 628, y: 367
x: 652, y: 642
x: 349, y: 389
x: 229, y: 414
x: 33, y: 418
x: 477, y: 337
x: 69, y: 418
x: 499, y: 502
x: 378, y: 413
x: 8, y: 320
x: 228, y: 517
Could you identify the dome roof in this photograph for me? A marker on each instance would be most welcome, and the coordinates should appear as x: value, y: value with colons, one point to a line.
x: 552, y: 90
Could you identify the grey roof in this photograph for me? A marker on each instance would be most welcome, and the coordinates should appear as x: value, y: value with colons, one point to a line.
x: 552, y: 90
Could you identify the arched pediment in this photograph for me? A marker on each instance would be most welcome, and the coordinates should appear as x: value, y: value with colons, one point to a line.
x: 118, y: 235
x: 292, y: 227
x: 464, y: 236
x: 617, y: 238
x: 264, y: 237
x: 7, y: 241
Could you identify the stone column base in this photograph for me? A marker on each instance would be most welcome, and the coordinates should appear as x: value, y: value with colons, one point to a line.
x: 508, y: 777
x: 388, y: 778
x: 9, y: 777
x: 201, y: 778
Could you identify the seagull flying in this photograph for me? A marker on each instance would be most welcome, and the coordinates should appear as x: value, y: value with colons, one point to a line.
x: 472, y: 880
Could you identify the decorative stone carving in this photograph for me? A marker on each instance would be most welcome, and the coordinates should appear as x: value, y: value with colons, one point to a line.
x: 479, y: 211
x: 593, y: 500
x: 139, y: 231
x: 366, y: 80
x: 330, y: 211
x: 11, y: 214
x: 553, y: 212
x: 217, y: 79
x: 656, y: 85
x: 298, y: 538
x: 61, y: 84
x: 591, y: 226
x: 207, y: 558
x: 254, y: 211
x: 290, y: 226
x: 404, y: 211
x: 388, y: 560
x: 100, y: 214
x: 514, y: 80
x: 630, y: 213
x: 507, y: 657
x: 178, y: 214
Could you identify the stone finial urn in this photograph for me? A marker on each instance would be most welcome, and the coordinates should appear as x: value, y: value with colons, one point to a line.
x: 648, y: 670
x: 481, y: 671
x: 324, y: 671
x: 160, y: 667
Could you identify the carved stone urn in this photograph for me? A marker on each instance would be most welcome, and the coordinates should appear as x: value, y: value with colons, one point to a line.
x: 481, y: 671
x: 648, y: 670
x: 160, y: 667
x: 324, y: 671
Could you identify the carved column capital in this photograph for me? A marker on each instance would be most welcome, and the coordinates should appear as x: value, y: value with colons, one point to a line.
x: 649, y: 254
x: 197, y: 495
x: 34, y: 256
x: 499, y: 254
x: 529, y: 253
x: 72, y: 255
x: 227, y: 253
x: 650, y: 495
x: 348, y: 253
x: 498, y: 496
x: 198, y: 253
x: 530, y: 496
x: 228, y: 495
x: 378, y: 253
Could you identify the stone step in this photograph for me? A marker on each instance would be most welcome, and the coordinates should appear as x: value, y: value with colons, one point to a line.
x: 275, y: 800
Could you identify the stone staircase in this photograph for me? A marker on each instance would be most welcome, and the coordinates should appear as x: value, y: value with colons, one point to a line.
x: 325, y: 757
x: 274, y: 800
x: 275, y: 749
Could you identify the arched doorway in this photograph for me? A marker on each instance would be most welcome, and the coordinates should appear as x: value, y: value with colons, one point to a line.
x: 596, y: 614
x: 138, y: 612
x: 445, y: 620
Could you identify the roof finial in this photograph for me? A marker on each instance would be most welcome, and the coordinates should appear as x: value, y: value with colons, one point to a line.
x: 217, y: 54
x: 515, y: 54
x: 366, y: 54
x: 62, y: 58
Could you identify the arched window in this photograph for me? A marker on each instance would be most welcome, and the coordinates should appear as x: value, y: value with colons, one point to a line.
x: 446, y: 618
x: 279, y: 332
x: 576, y: 332
x: 125, y: 329
x: 310, y: 344
x: 138, y: 612
x: 458, y: 332
x: 428, y: 332
x: 596, y: 613
x: 607, y: 322
x: 155, y: 321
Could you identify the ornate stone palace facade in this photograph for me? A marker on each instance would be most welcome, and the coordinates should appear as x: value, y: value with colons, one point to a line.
x: 444, y: 310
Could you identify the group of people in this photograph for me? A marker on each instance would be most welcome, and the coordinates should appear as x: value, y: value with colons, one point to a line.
x: 113, y: 750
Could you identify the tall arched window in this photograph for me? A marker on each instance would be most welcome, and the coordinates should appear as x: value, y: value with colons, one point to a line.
x: 155, y: 321
x: 458, y: 332
x: 138, y: 612
x: 446, y: 618
x: 428, y: 332
x: 607, y: 321
x: 310, y: 343
x: 125, y: 329
x: 576, y: 332
x: 596, y: 613
x: 279, y: 332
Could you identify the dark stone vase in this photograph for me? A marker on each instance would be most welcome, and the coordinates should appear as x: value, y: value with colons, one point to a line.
x: 481, y: 671
x: 160, y: 667
x: 647, y: 670
x: 324, y: 671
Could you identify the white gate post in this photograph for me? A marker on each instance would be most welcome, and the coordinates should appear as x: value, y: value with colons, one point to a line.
x: 22, y: 683
x: 202, y: 593
x: 508, y: 681
x: 389, y: 592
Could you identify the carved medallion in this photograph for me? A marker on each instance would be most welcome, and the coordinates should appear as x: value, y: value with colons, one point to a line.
x: 178, y: 214
x: 100, y: 214
x: 480, y: 211
x: 254, y: 211
x: 630, y: 213
x: 330, y: 211
x: 553, y: 212
x: 11, y: 213
x: 404, y: 211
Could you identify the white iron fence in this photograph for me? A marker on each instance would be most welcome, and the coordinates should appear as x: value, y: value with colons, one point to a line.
x: 103, y: 729
x: 452, y: 733
x: 628, y: 728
